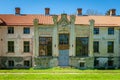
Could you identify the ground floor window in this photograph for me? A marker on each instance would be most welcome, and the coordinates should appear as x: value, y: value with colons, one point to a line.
x: 45, y: 46
x: 82, y: 64
x: 110, y: 62
x: 27, y: 63
x: 96, y: 63
x: 82, y: 46
x: 11, y: 63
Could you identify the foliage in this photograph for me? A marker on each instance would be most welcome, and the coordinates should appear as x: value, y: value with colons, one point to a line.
x: 58, y: 73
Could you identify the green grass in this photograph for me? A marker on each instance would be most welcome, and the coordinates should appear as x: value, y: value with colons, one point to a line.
x: 59, y: 74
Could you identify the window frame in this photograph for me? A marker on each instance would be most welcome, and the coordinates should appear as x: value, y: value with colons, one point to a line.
x: 96, y: 47
x: 45, y: 46
x: 11, y: 47
x: 108, y: 47
x: 11, y: 64
x: 26, y: 30
x: 96, y: 31
x: 111, y: 31
x: 26, y: 47
x: 10, y: 30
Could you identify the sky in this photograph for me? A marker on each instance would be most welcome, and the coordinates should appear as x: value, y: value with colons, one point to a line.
x: 58, y: 6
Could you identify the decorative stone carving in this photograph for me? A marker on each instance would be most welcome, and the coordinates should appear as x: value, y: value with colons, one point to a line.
x: 36, y: 22
x: 72, y: 19
x: 63, y: 21
x: 55, y: 18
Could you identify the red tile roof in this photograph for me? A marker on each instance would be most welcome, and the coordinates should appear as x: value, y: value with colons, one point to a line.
x: 11, y: 19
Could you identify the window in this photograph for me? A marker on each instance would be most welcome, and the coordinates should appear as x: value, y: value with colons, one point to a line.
x: 96, y: 46
x: 63, y: 39
x: 110, y: 46
x: 110, y: 31
x: 82, y: 64
x: 26, y: 30
x: 10, y: 46
x: 11, y: 63
x: 45, y: 46
x: 110, y: 62
x: 27, y: 63
x: 10, y: 30
x: 81, y: 46
x: 96, y: 63
x: 96, y: 30
x: 26, y: 46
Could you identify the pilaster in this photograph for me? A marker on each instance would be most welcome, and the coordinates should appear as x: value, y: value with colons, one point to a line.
x: 91, y: 37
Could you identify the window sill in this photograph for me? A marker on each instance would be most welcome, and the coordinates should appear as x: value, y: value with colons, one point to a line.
x: 11, y: 52
x: 96, y: 52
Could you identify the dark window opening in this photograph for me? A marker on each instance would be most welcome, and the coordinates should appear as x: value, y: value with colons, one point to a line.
x: 110, y: 62
x: 26, y: 46
x: 63, y: 39
x: 26, y: 30
x: 27, y: 63
x: 96, y: 30
x: 110, y: 31
x: 10, y: 30
x: 96, y: 46
x: 11, y: 63
x: 96, y: 63
x: 82, y: 64
x: 81, y: 46
x: 10, y: 46
x: 110, y: 47
x: 45, y: 46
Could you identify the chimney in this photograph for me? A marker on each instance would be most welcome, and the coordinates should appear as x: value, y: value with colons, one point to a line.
x: 17, y: 11
x: 112, y: 12
x: 47, y: 11
x: 79, y: 11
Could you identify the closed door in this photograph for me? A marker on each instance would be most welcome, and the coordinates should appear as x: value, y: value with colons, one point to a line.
x: 63, y: 57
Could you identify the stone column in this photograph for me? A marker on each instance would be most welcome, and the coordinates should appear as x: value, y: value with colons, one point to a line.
x: 72, y: 36
x: 91, y: 38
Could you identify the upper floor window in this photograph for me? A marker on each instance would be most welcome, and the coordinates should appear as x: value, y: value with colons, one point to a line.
x: 110, y: 31
x: 10, y: 30
x: 63, y: 39
x: 110, y: 46
x: 26, y: 46
x: 10, y: 46
x: 26, y: 30
x: 96, y: 30
x: 96, y: 46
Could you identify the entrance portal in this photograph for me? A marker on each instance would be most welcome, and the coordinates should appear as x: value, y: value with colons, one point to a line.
x: 63, y: 57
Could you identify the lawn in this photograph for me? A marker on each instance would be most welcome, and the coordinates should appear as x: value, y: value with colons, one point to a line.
x: 59, y: 74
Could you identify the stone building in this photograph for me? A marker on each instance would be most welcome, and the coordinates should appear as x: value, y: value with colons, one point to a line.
x: 45, y: 40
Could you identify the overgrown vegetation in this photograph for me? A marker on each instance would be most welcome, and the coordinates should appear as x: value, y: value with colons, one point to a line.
x: 59, y: 74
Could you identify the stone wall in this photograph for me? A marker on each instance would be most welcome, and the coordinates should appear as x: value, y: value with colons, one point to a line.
x: 18, y: 62
x: 45, y: 62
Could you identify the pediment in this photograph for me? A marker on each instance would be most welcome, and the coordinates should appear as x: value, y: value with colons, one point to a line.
x: 63, y: 20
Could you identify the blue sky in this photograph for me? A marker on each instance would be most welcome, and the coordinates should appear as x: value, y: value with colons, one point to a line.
x: 58, y: 6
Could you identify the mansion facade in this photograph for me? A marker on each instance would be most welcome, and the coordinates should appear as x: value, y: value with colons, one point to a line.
x: 45, y: 40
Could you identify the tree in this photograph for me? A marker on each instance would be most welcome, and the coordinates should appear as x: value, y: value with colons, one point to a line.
x: 92, y: 12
